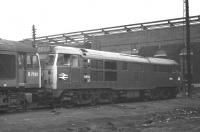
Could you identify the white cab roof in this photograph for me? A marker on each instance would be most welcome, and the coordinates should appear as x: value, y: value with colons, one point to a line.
x: 66, y: 50
x: 95, y: 54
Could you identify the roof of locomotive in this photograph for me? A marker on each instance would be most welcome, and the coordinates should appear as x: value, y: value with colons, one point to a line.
x: 96, y: 54
x: 154, y: 60
x: 14, y: 46
x: 114, y: 56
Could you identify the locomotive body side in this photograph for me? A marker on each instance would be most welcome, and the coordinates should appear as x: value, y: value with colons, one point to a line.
x: 82, y: 75
x: 8, y: 69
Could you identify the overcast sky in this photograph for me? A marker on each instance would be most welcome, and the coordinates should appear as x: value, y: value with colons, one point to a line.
x: 63, y: 16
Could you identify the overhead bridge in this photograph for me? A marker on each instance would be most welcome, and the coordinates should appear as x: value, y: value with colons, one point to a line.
x: 82, y: 37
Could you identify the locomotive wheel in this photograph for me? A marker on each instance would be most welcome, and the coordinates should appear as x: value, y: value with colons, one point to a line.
x: 83, y: 98
x: 167, y: 93
x: 67, y: 104
x: 156, y: 94
x: 146, y: 95
x: 93, y: 100
x: 105, y: 97
x: 163, y: 93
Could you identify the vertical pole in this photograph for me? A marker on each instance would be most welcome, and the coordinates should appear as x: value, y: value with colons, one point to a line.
x: 189, y: 76
x: 34, y: 36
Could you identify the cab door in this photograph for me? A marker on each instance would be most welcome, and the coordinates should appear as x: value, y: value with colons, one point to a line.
x: 75, y: 71
x: 63, y: 71
x: 21, y: 70
x: 68, y: 71
x: 32, y: 71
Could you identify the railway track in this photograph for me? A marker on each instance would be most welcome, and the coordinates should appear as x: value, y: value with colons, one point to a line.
x: 24, y: 106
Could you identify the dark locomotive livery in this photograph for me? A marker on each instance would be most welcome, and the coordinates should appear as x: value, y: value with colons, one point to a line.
x: 20, y: 73
x: 72, y: 76
x: 81, y: 76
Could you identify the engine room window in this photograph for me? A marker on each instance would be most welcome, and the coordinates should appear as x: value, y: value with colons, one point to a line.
x: 162, y: 68
x: 96, y: 75
x: 137, y: 67
x: 97, y: 64
x: 110, y: 76
x: 111, y: 65
x: 124, y: 66
x: 7, y: 66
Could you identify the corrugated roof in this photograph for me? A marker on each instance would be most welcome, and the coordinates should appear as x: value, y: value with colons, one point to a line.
x: 80, y: 37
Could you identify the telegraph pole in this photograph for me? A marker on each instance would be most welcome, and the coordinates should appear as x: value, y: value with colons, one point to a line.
x: 188, y: 57
x: 33, y: 35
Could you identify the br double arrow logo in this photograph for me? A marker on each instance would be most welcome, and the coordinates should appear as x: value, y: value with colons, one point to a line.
x: 63, y: 76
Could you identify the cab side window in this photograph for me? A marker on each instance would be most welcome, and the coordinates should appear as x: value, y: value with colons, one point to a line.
x: 66, y: 60
x: 28, y: 61
x: 35, y: 61
x: 21, y: 60
x: 74, y: 60
x: 32, y: 61
x: 124, y: 66
x: 63, y: 60
x: 60, y: 60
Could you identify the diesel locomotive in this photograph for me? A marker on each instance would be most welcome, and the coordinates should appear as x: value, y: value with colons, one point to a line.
x: 73, y: 76
x: 82, y: 76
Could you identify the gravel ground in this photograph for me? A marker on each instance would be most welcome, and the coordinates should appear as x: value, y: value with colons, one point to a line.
x: 174, y: 115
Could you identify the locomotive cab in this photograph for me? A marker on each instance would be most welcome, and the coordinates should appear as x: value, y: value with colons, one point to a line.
x: 61, y: 70
x: 29, y: 70
x: 19, y: 67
